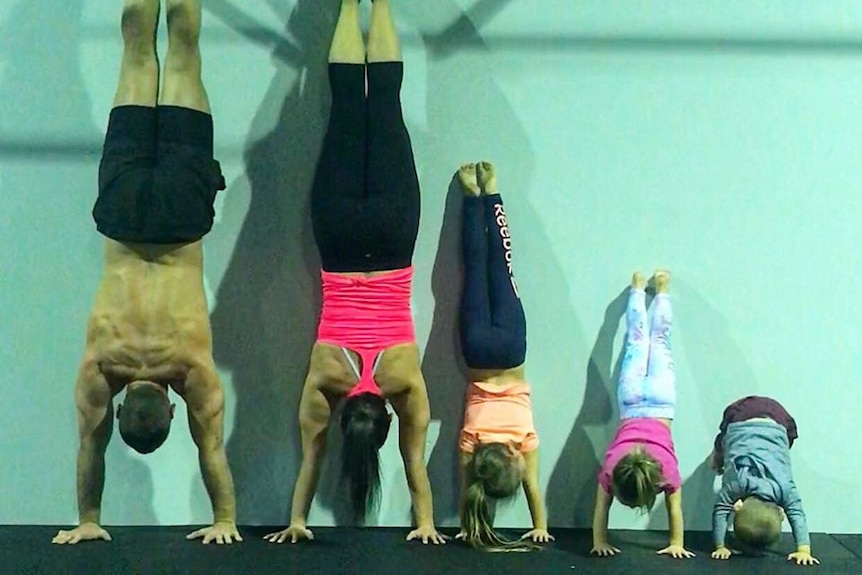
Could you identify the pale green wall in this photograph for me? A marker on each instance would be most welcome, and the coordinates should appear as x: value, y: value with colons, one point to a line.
x: 625, y: 139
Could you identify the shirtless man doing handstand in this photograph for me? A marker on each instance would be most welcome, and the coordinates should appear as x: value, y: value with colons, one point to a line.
x: 149, y: 331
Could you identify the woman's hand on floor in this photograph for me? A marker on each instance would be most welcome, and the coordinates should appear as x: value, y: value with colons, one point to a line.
x: 294, y: 533
x: 427, y: 535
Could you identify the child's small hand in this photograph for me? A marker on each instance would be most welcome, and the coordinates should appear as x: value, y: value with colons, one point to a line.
x: 604, y: 550
x: 676, y: 551
x: 538, y: 536
x: 722, y: 553
x: 803, y: 558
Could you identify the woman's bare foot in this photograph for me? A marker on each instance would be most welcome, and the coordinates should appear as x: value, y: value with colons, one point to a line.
x: 638, y: 281
x: 467, y: 177
x: 661, y: 279
x: 487, y: 178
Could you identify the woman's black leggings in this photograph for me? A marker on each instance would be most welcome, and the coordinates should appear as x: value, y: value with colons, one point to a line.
x: 365, y: 197
x: 493, y: 326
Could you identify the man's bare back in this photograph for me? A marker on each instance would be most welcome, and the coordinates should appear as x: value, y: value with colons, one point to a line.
x: 150, y: 320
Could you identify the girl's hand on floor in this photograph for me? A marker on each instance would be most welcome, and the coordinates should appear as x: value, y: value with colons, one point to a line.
x: 676, y: 551
x: 604, y: 550
x: 538, y: 536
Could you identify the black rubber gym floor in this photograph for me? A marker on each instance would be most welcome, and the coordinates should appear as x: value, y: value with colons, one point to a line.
x: 382, y: 551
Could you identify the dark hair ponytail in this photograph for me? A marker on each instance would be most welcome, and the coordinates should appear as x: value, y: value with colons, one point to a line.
x: 492, y: 472
x: 364, y: 426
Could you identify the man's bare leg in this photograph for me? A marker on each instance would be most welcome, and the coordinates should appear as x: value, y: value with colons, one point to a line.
x: 383, y: 43
x: 182, y: 85
x: 347, y: 46
x: 139, y: 71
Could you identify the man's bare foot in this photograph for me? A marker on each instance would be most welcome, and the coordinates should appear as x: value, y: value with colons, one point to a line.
x: 638, y: 281
x: 487, y: 178
x: 661, y: 279
x: 467, y: 177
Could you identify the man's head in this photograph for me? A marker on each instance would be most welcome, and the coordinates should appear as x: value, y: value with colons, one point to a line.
x: 757, y: 523
x: 145, y: 416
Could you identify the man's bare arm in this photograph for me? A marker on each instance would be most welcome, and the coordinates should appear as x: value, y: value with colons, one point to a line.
x: 95, y: 424
x: 205, y: 401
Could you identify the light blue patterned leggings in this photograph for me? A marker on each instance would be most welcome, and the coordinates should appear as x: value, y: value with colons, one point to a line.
x: 647, y: 385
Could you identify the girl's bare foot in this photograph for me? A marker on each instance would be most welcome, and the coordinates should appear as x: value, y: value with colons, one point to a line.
x: 638, y: 281
x: 661, y: 279
x: 487, y: 178
x: 467, y: 177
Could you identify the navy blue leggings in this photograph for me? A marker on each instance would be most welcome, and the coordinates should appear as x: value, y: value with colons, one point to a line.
x: 493, y: 326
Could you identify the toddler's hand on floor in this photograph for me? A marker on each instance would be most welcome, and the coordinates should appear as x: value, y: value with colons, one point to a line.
x: 604, y: 550
x: 803, y: 558
x: 538, y: 536
x: 722, y: 553
x: 676, y: 551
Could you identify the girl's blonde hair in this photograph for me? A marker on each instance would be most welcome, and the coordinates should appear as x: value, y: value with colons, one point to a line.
x: 492, y: 472
x: 637, y: 479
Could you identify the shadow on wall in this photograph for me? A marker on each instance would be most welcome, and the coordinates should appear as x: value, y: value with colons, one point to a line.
x: 711, y: 350
x: 443, y: 363
x: 571, y: 490
x: 45, y: 205
x: 265, y: 318
x: 698, y: 496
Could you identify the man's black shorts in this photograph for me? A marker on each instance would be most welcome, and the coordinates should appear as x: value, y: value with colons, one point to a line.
x: 157, y: 178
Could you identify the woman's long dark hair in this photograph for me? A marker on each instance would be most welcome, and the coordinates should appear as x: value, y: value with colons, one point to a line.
x: 364, y: 426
